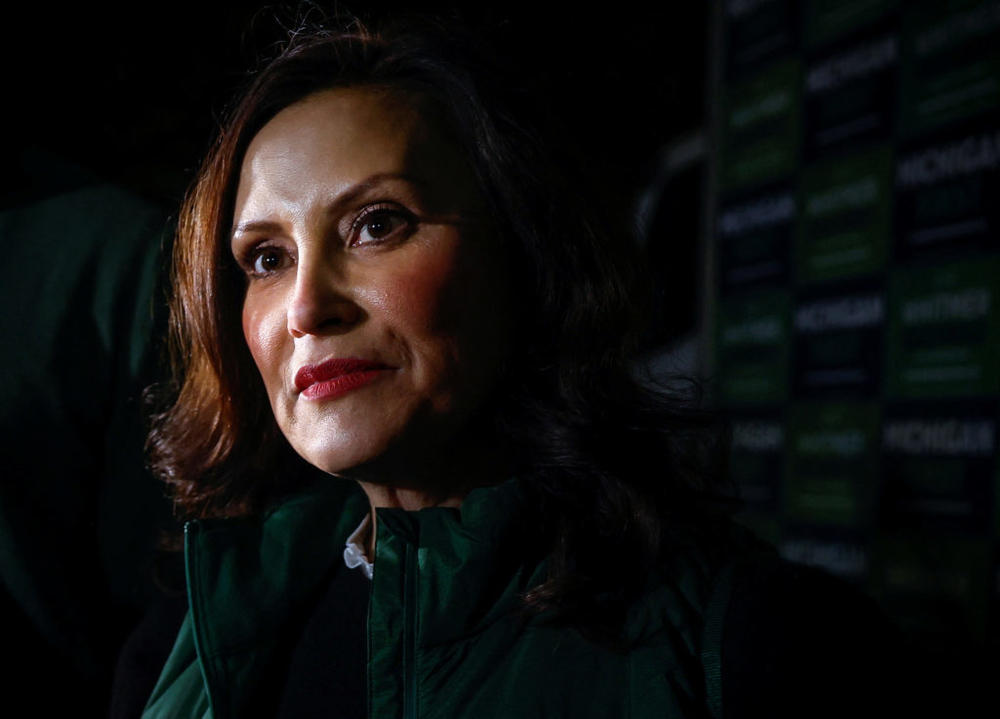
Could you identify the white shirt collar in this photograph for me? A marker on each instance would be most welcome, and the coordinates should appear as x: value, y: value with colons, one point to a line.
x: 354, y: 552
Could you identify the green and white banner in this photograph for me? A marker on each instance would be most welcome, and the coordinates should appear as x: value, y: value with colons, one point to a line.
x: 752, y: 348
x: 933, y: 584
x: 757, y: 31
x: 841, y: 552
x: 948, y: 194
x: 758, y: 460
x: 849, y: 96
x: 826, y: 21
x: 760, y: 127
x: 951, y: 63
x: 833, y: 463
x: 838, y: 342
x: 939, y: 466
x: 844, y: 218
x: 944, y: 330
x: 755, y: 241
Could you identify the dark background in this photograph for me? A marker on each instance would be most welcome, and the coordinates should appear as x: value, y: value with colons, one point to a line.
x: 135, y: 97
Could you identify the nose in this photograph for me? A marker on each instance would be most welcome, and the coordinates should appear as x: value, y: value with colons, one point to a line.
x: 321, y: 301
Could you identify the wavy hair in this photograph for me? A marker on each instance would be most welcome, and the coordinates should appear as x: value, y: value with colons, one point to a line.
x: 616, y: 464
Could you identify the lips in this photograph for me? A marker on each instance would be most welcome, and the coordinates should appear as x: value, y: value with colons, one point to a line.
x: 336, y: 376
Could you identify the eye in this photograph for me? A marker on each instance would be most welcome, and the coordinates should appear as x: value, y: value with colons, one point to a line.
x: 380, y: 224
x: 265, y: 260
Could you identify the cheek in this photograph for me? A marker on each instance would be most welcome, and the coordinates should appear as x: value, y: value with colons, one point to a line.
x: 443, y: 305
x: 263, y: 328
x: 421, y: 299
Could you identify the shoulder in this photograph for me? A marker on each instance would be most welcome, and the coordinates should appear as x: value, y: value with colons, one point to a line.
x: 797, y: 641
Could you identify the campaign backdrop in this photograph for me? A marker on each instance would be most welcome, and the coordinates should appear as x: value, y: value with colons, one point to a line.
x: 855, y: 331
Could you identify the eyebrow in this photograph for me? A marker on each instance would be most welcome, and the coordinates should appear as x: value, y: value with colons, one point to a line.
x: 344, y: 198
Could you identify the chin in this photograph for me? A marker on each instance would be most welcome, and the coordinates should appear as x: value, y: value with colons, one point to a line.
x: 399, y: 463
x: 370, y: 446
x: 338, y: 458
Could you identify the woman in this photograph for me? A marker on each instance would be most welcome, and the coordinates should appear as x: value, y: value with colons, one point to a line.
x: 385, y: 274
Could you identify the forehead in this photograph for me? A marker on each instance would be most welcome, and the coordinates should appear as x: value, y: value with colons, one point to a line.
x: 333, y: 130
x: 343, y: 136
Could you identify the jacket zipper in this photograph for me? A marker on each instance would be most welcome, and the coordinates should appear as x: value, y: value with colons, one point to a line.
x: 410, y: 633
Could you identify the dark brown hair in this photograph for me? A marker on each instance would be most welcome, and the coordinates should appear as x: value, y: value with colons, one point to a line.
x: 615, y: 463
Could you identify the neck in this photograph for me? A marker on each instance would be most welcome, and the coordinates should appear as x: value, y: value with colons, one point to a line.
x: 444, y: 482
x: 439, y: 484
x: 384, y: 495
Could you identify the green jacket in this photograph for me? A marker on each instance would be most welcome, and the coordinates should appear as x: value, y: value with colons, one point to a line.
x: 444, y: 636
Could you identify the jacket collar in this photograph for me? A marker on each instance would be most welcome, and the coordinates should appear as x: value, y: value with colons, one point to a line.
x: 472, y: 562
x: 247, y: 578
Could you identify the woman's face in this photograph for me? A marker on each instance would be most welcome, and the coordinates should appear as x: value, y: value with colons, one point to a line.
x: 375, y: 301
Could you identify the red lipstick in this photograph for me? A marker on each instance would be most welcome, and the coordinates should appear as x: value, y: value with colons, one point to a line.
x: 336, y: 377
